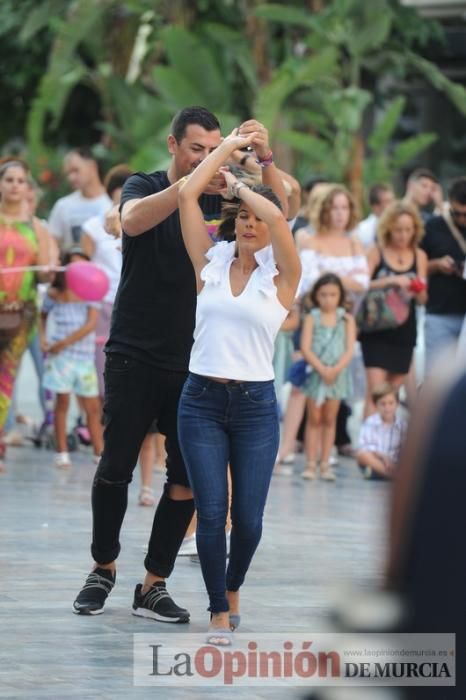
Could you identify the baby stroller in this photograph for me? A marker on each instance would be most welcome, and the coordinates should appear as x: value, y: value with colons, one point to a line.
x: 44, y: 436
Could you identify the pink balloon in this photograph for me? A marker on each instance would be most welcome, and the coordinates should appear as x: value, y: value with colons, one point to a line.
x: 87, y: 281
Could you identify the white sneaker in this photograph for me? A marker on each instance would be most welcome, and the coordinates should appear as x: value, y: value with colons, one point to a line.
x: 62, y: 460
x: 194, y: 558
x: 188, y: 547
x: 13, y: 438
x: 281, y: 469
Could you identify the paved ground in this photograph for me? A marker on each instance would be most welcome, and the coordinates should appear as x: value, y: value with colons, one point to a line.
x: 317, y: 538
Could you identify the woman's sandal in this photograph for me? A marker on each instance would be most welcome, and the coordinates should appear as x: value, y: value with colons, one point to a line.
x: 310, y: 472
x: 235, y: 619
x: 326, y: 472
x: 219, y: 636
x: 146, y: 496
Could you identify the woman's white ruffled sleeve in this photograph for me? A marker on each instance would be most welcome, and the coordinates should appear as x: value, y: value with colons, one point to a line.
x: 219, y: 256
x: 267, y: 271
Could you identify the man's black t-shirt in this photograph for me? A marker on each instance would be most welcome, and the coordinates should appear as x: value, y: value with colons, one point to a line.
x: 447, y: 293
x: 154, y: 310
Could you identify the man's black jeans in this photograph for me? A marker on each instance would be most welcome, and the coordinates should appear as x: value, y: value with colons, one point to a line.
x: 136, y: 394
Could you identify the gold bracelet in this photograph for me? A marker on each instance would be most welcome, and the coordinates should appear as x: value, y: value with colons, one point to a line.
x: 182, y: 181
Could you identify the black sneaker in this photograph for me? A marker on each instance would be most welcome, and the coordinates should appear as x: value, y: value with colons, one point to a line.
x: 157, y: 604
x: 91, y: 598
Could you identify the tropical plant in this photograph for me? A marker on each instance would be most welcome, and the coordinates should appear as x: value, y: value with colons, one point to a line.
x: 350, y: 43
x: 168, y: 61
x: 311, y: 75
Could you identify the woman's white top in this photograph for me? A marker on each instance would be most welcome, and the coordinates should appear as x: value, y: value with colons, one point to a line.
x: 234, y: 336
x: 107, y: 253
x: 315, y: 264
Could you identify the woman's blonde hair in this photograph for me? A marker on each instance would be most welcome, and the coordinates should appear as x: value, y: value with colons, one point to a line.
x: 314, y: 199
x: 392, y: 214
x: 321, y: 212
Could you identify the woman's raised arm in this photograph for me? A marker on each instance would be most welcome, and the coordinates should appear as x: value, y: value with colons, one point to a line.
x: 195, y: 236
x: 284, y: 249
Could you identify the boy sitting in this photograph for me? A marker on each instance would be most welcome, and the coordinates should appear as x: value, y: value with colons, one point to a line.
x: 381, y: 435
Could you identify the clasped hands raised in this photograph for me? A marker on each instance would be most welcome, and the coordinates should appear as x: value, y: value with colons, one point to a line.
x: 250, y: 133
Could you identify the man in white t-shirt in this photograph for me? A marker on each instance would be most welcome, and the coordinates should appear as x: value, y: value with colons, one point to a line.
x: 89, y: 198
x: 105, y: 251
x: 380, y: 196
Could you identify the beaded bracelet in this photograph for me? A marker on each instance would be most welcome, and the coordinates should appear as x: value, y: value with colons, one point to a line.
x: 264, y: 162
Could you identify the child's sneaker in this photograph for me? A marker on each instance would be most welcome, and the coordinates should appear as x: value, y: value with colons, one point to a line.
x: 62, y: 460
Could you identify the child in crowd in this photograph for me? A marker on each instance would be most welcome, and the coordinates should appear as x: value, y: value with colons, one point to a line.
x: 381, y: 435
x: 70, y: 366
x: 327, y: 343
x: 152, y: 455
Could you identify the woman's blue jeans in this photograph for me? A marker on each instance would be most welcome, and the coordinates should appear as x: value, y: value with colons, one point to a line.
x: 221, y: 424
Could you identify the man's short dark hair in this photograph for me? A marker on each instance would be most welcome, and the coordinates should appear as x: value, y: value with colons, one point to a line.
x: 86, y: 153
x: 457, y: 191
x: 375, y: 191
x: 193, y: 115
x: 423, y: 172
x: 82, y: 151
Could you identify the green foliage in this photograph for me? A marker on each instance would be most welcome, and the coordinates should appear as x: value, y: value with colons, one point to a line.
x: 290, y: 77
x: 286, y: 15
x: 21, y: 67
x: 65, y: 70
x: 380, y: 136
x: 377, y: 36
x: 345, y: 107
x: 455, y: 92
x: 405, y: 151
x: 193, y: 64
x: 214, y: 52
x: 40, y: 17
x: 382, y: 163
x: 374, y: 28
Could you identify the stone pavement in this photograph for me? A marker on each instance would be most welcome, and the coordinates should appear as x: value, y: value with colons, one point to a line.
x: 317, y: 537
